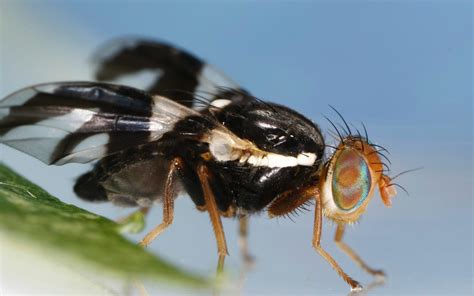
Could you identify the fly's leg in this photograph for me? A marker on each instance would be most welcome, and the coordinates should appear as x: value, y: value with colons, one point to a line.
x: 318, y: 217
x: 214, y: 215
x: 243, y: 241
x: 168, y: 203
x: 350, y: 252
x: 291, y: 201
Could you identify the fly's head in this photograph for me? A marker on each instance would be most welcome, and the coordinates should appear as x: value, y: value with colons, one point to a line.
x: 350, y: 176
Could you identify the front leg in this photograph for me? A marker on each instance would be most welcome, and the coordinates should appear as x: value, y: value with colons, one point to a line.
x: 348, y: 250
x: 318, y: 217
x: 291, y: 200
x: 214, y: 215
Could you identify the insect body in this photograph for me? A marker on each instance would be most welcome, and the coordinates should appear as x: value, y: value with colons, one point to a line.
x: 195, y: 130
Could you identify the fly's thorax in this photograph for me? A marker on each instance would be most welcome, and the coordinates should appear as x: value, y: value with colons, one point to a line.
x: 265, y: 135
x: 258, y: 150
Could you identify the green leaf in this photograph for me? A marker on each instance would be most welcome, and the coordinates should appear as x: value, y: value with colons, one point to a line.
x: 43, y: 222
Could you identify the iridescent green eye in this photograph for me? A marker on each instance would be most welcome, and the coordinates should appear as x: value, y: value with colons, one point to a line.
x: 351, y: 180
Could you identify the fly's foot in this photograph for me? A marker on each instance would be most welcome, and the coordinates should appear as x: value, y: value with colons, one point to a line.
x: 379, y: 275
x: 249, y: 261
x: 355, y: 286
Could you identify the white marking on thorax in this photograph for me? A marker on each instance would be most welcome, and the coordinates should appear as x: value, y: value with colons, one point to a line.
x: 274, y: 160
x: 220, y: 103
x: 227, y: 147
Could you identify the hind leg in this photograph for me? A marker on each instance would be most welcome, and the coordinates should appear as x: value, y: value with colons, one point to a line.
x: 168, y: 203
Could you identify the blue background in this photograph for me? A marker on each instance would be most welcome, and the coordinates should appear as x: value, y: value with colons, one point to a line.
x: 404, y: 68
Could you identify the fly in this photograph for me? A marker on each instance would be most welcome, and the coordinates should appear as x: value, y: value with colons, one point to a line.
x: 194, y: 130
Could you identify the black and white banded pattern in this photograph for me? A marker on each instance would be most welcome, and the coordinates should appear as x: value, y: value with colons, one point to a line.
x: 118, y: 126
x: 175, y: 73
x: 80, y: 122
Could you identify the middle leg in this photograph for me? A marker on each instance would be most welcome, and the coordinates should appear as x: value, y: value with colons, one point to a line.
x: 243, y: 240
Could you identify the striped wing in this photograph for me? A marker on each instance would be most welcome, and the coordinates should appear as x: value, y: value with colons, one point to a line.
x: 173, y: 72
x: 80, y: 122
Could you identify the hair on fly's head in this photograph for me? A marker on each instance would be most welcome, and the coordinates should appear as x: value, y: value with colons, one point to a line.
x: 352, y: 171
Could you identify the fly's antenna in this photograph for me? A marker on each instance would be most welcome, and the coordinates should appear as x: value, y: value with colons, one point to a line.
x: 399, y: 186
x: 391, y: 183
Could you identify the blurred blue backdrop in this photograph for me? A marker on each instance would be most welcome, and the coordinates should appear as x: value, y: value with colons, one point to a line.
x: 404, y: 68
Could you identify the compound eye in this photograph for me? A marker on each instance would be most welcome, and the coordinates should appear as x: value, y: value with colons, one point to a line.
x: 351, y: 180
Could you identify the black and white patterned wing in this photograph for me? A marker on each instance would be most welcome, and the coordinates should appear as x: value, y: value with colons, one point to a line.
x: 80, y: 122
x: 173, y: 72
